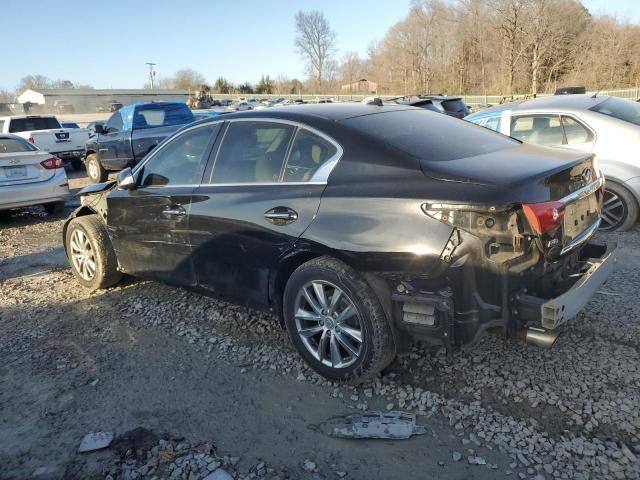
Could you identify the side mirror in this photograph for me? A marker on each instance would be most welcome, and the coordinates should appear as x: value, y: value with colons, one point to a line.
x: 125, y: 180
x: 99, y: 128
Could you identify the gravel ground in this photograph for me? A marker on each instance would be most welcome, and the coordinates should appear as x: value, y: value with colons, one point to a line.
x: 192, y: 386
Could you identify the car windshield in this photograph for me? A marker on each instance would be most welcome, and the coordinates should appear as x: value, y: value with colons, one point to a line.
x: 621, y: 109
x: 15, y: 145
x: 32, y: 123
x: 430, y: 136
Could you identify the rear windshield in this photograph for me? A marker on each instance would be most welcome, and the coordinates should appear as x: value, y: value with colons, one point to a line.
x: 32, y: 123
x: 454, y: 106
x: 430, y: 136
x: 621, y: 109
x: 162, y: 115
x: 15, y: 145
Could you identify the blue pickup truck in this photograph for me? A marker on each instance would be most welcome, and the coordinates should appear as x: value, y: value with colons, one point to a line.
x: 131, y: 133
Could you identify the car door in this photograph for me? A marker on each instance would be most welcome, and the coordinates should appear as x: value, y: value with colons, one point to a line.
x: 149, y: 225
x: 262, y: 193
x: 110, y: 143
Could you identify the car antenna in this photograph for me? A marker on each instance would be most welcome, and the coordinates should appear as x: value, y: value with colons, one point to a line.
x: 595, y: 95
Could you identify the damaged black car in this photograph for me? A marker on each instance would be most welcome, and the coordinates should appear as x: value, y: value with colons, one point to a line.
x: 363, y: 227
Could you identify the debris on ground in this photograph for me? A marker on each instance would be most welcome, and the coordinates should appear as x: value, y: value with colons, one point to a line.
x: 95, y: 441
x: 394, y: 425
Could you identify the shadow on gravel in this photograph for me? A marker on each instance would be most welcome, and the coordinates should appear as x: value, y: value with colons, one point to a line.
x: 36, y: 263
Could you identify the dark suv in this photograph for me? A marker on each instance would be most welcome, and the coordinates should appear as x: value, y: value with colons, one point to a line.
x: 453, y: 106
x: 362, y: 226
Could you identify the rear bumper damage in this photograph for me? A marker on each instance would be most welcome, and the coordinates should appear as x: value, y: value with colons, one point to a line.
x: 529, y: 300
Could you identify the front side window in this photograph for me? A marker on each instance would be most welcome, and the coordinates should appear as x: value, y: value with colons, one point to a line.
x: 181, y: 161
x: 538, y: 129
x: 252, y: 152
x: 115, y: 123
x: 308, y: 153
x: 575, y: 132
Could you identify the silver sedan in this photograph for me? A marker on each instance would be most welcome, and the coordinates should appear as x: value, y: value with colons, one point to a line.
x: 606, y: 126
x: 29, y: 176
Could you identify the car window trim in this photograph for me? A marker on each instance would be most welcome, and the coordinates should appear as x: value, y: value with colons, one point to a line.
x: 157, y: 150
x: 319, y: 178
x: 581, y: 123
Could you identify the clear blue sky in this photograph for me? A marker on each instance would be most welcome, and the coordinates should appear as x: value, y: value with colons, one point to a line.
x: 108, y: 46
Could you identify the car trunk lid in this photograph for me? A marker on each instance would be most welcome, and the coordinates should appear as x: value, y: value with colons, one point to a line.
x: 20, y: 168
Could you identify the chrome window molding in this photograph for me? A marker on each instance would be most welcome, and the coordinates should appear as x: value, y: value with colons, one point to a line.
x: 319, y: 177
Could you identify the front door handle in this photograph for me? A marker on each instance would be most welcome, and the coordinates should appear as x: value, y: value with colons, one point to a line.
x: 281, y: 216
x: 174, y: 211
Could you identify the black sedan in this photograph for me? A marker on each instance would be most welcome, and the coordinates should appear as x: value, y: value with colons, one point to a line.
x: 361, y: 226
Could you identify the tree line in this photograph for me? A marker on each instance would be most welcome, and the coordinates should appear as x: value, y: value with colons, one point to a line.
x: 447, y: 46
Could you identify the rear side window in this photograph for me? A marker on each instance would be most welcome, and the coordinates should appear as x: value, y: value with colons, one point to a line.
x: 252, y: 152
x: 625, y: 110
x: 538, y: 129
x: 32, y: 123
x: 575, y: 132
x: 15, y: 145
x: 308, y: 153
x: 457, y: 106
x: 161, y: 115
x: 428, y: 136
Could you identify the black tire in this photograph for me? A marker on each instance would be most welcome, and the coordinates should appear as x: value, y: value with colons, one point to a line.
x: 106, y: 264
x: 377, y: 348
x: 95, y: 170
x: 52, y: 208
x: 620, y: 209
x: 76, y: 165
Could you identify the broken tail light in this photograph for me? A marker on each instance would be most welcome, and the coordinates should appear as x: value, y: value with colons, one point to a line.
x: 544, y: 217
x: 52, y: 163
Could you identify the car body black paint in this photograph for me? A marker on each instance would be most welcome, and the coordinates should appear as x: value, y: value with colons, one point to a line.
x: 369, y: 214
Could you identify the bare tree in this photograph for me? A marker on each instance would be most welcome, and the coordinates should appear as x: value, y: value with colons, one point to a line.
x: 33, y: 82
x: 188, y: 79
x: 315, y: 41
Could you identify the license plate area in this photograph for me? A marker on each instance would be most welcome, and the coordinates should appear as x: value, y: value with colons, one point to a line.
x: 580, y: 215
x: 12, y: 173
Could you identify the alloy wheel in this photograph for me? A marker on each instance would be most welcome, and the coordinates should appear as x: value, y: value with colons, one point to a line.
x: 82, y: 255
x: 614, y: 211
x: 328, y: 324
x: 93, y: 169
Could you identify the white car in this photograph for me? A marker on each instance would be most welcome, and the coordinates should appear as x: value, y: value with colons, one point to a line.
x: 29, y: 176
x: 46, y: 133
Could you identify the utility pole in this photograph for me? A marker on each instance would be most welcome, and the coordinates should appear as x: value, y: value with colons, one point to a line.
x: 152, y: 73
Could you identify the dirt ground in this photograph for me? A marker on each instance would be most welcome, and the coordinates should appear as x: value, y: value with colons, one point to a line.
x: 189, y: 367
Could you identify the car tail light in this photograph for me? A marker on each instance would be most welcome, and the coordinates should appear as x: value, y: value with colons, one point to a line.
x: 544, y: 217
x: 51, y: 163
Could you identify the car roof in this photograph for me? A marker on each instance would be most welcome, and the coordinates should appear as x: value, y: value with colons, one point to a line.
x: 563, y: 102
x: 329, y: 111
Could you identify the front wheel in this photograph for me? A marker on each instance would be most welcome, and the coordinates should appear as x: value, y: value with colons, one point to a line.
x: 619, y: 209
x: 95, y: 171
x: 336, y: 322
x: 91, y: 256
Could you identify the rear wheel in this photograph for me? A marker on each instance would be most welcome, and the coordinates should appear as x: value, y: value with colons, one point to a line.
x: 91, y: 256
x: 95, y: 171
x: 336, y: 321
x: 619, y: 208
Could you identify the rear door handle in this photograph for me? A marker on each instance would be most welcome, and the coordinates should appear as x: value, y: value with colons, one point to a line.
x: 281, y: 216
x: 174, y: 211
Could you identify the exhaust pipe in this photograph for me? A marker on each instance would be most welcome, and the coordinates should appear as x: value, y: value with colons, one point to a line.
x: 539, y: 336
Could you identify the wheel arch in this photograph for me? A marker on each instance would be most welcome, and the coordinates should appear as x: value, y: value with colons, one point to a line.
x: 79, y: 212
